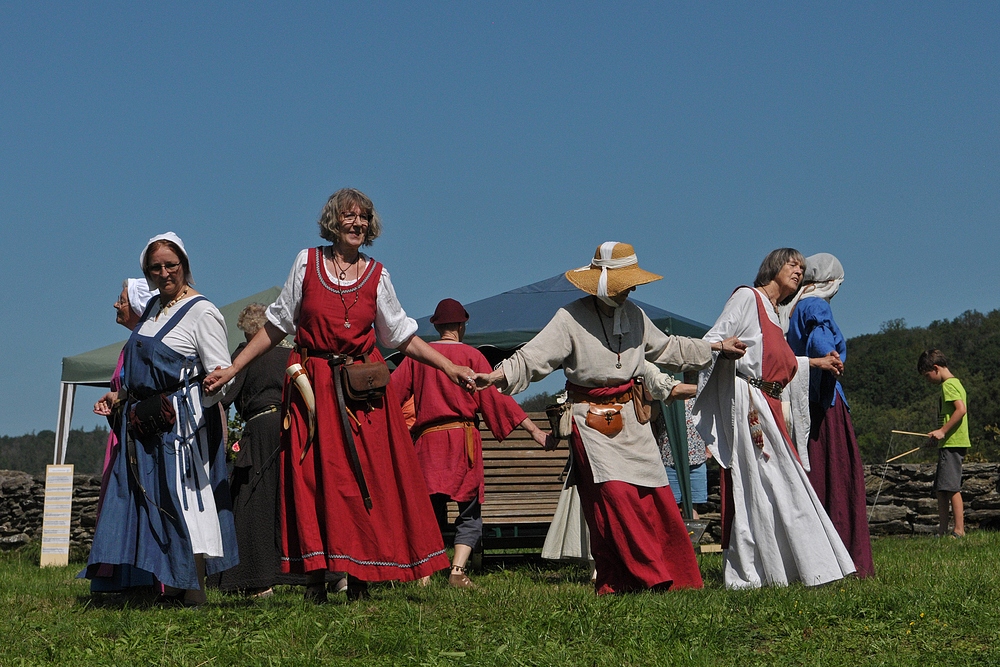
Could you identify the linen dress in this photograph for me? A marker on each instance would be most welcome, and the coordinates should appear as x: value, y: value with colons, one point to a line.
x: 836, y: 471
x: 179, y: 505
x: 638, y: 539
x: 775, y: 529
x: 325, y: 524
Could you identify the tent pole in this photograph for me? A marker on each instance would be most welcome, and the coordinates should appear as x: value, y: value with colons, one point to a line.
x: 67, y: 392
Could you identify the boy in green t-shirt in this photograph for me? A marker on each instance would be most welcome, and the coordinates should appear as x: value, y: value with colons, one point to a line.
x: 952, y: 438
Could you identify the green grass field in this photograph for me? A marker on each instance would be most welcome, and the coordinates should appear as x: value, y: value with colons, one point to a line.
x: 933, y: 602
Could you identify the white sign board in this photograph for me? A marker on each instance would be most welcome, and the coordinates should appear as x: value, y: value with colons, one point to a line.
x: 57, y: 515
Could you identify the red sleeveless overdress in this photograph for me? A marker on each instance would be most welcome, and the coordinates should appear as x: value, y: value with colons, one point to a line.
x: 324, y: 522
x: 778, y: 365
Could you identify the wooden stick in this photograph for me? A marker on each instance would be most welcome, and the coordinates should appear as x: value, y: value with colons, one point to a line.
x: 899, y: 456
x: 922, y: 435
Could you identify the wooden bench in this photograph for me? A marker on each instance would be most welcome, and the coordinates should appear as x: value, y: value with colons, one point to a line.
x: 523, y: 482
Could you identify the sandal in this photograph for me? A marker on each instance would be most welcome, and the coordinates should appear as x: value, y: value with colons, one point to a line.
x: 458, y: 578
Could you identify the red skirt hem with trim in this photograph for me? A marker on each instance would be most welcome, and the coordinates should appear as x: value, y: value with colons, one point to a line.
x: 637, y: 536
x: 324, y: 522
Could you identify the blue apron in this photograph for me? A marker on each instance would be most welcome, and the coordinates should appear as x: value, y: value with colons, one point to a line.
x: 141, y: 523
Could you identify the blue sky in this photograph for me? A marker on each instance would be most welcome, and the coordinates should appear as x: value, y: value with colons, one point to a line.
x: 501, y: 143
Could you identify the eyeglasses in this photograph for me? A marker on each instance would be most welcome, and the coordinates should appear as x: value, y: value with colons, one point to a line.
x: 353, y: 217
x: 169, y: 266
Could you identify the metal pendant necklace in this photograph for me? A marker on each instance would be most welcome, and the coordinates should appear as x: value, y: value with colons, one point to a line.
x: 607, y: 341
x: 343, y: 276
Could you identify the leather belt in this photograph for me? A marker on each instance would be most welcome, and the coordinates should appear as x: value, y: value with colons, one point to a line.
x: 620, y: 399
x: 772, y: 389
x: 335, y: 360
x: 468, y: 426
x: 266, y: 411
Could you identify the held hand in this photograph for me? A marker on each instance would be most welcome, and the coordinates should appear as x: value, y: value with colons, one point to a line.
x: 103, y: 406
x: 936, y: 436
x: 830, y: 362
x: 543, y: 438
x: 494, y: 379
x: 732, y: 348
x: 551, y: 442
x: 217, y: 379
x: 464, y: 377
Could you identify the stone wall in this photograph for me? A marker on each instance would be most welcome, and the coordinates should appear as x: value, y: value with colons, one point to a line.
x: 22, y: 498
x: 906, y: 503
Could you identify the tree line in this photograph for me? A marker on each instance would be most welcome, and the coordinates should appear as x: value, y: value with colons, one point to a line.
x: 884, y: 390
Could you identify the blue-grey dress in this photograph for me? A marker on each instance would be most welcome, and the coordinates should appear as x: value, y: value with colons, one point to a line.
x: 152, y: 507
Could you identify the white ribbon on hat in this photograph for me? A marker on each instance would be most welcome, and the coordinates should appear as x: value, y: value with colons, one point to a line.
x: 606, y: 262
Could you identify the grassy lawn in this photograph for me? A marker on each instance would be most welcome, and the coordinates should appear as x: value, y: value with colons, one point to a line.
x: 933, y: 602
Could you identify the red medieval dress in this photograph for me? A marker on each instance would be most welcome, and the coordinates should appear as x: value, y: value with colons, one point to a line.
x: 447, y: 438
x: 325, y: 524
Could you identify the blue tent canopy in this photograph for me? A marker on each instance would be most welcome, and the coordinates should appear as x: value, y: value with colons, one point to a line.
x: 512, y: 318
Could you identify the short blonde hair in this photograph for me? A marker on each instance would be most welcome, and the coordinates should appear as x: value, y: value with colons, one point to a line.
x: 342, y: 201
x: 252, y: 319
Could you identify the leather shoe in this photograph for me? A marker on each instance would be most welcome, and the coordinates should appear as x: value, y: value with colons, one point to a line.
x: 458, y: 579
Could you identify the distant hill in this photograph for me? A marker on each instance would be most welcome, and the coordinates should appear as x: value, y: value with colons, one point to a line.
x: 885, y: 391
x: 883, y: 388
x: 32, y: 452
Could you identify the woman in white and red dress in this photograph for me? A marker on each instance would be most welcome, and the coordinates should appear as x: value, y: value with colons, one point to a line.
x: 603, y: 343
x: 359, y: 507
x: 775, y: 529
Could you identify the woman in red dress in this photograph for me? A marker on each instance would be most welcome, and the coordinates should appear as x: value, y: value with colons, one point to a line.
x: 352, y: 496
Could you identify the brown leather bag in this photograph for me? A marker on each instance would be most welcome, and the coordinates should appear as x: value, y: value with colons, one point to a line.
x: 642, y: 401
x: 365, y: 381
x: 605, y: 419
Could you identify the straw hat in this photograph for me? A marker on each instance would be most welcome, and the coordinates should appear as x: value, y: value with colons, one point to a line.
x: 613, y: 270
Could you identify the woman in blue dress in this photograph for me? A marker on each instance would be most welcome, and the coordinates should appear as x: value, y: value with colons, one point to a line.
x: 167, y: 505
x: 836, y: 472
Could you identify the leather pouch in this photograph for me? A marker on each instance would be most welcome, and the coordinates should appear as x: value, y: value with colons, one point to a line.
x: 560, y: 419
x: 605, y: 419
x: 151, y: 417
x: 643, y: 402
x: 365, y: 381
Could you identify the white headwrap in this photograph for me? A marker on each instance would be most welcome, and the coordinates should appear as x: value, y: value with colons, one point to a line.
x: 168, y: 236
x: 822, y: 279
x: 139, y: 294
x: 621, y: 325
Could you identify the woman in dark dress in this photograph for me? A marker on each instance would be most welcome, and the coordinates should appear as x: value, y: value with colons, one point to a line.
x: 256, y: 393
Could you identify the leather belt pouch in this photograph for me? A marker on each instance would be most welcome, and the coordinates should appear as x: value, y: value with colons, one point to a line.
x: 605, y: 419
x: 151, y: 417
x: 365, y: 381
x: 560, y: 419
x: 643, y: 403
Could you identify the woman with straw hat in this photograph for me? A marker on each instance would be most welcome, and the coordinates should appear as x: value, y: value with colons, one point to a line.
x: 603, y: 343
